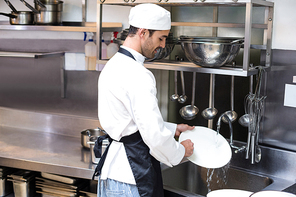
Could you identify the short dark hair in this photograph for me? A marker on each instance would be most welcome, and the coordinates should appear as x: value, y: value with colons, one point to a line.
x: 133, y: 30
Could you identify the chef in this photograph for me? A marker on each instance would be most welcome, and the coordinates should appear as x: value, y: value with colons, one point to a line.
x: 129, y: 113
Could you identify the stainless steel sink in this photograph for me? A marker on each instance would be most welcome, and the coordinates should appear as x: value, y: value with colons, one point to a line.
x: 198, y: 180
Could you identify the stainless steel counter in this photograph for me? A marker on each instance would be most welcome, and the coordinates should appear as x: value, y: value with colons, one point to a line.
x: 51, y: 143
x: 45, y: 152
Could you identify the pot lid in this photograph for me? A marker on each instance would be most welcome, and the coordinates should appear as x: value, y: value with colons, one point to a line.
x: 211, y: 150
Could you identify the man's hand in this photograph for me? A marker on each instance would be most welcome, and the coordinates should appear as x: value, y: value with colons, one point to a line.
x: 181, y: 128
x: 189, y: 147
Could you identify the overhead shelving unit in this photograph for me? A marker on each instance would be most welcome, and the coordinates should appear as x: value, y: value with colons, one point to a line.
x: 66, y: 26
x: 239, y: 70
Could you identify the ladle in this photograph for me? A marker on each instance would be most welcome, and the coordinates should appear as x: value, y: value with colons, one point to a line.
x: 189, y: 112
x: 182, y: 98
x: 232, y: 115
x: 175, y: 96
x: 210, y: 112
x: 246, y: 118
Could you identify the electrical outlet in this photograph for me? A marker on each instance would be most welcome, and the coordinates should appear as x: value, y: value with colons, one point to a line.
x: 294, y: 79
x: 290, y: 96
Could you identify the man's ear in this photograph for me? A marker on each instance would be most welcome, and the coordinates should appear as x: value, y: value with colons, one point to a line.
x: 142, y: 32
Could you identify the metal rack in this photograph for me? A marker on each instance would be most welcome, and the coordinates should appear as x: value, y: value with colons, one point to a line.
x: 66, y: 26
x: 241, y: 70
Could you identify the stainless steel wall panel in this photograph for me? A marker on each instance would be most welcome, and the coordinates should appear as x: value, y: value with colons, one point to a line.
x: 279, y: 121
x: 35, y: 85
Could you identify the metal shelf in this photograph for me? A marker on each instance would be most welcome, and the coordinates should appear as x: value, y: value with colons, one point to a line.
x: 230, y: 25
x: 191, y: 2
x: 190, y: 67
x: 241, y: 70
x: 35, y: 55
x: 66, y: 26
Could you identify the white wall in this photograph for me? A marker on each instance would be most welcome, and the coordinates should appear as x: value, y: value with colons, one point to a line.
x: 284, y: 25
x: 283, y: 31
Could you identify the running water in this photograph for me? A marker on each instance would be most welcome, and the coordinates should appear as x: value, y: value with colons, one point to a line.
x: 217, y: 140
x: 217, y: 178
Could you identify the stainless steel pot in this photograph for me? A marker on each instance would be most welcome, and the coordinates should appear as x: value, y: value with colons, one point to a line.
x: 47, y: 12
x: 90, y: 135
x: 49, y: 5
x: 19, y: 17
x: 48, y: 18
x: 50, y: 12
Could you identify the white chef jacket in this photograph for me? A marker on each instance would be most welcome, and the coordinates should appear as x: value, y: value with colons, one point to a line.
x: 127, y: 103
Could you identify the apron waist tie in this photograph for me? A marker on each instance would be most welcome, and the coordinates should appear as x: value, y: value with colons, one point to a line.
x: 98, y: 148
x: 98, y: 153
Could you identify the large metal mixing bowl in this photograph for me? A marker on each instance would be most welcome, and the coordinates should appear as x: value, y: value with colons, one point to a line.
x: 164, y: 52
x: 210, y: 51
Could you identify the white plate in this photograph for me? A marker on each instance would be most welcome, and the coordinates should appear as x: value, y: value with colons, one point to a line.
x: 210, y: 150
x: 272, y: 194
x: 229, y: 193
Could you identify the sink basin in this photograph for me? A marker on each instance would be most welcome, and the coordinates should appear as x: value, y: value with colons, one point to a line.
x: 198, y: 180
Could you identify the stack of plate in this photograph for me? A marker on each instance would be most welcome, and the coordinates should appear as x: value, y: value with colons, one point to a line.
x: 23, y: 183
x: 5, y: 186
x: 50, y: 185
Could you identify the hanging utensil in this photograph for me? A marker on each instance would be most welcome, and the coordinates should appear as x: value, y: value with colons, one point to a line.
x: 232, y: 115
x: 189, y: 112
x: 210, y: 112
x: 257, y: 148
x: 175, y: 96
x: 255, y: 109
x: 246, y: 118
x: 182, y: 98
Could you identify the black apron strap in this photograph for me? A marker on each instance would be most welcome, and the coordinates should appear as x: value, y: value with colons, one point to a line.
x: 126, y: 52
x: 98, y: 154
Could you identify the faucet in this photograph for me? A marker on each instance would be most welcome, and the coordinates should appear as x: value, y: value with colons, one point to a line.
x: 237, y: 149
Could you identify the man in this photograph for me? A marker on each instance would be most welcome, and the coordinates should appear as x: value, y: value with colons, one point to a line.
x: 128, y: 111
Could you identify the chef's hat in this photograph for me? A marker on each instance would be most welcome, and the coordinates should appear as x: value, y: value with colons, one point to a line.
x: 150, y: 16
